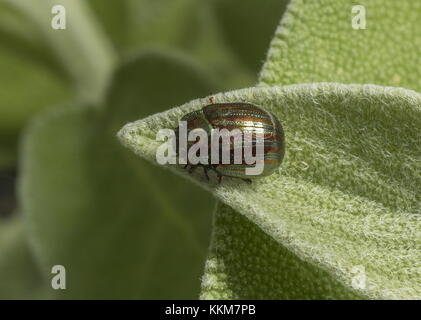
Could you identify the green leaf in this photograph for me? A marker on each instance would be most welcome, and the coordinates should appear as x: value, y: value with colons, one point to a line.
x: 82, y: 50
x: 168, y: 22
x: 133, y: 24
x: 40, y: 66
x: 7, y: 157
x: 315, y: 42
x: 19, y: 275
x: 19, y: 35
x: 114, y: 17
x: 122, y: 228
x: 245, y: 262
x: 29, y: 78
x: 187, y: 26
x: 346, y: 197
x: 27, y: 88
x: 247, y: 27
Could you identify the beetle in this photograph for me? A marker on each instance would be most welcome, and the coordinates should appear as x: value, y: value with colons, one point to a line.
x: 246, y: 117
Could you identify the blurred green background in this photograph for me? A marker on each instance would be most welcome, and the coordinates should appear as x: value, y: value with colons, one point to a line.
x: 69, y: 193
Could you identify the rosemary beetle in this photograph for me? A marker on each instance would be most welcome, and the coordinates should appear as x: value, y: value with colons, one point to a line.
x: 253, y: 124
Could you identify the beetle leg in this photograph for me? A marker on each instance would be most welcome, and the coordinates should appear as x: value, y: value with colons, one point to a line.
x: 185, y: 166
x: 219, y: 178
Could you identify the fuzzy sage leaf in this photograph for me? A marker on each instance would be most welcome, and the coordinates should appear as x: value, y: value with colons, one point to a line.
x: 347, y: 193
x: 314, y: 42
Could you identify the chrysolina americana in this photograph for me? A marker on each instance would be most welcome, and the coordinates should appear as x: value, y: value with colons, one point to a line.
x: 246, y: 117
